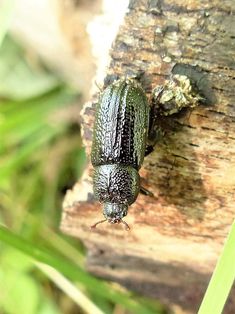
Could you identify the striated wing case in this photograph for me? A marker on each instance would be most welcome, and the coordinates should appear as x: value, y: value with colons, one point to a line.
x: 121, y: 125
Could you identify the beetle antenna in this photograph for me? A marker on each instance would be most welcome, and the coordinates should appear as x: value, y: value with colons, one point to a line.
x: 126, y: 224
x: 97, y: 223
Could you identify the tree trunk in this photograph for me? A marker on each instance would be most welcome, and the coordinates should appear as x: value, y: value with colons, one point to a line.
x: 177, y: 235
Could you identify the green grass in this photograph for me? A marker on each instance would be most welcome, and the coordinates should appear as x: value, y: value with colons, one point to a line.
x: 73, y: 272
x: 6, y: 14
x: 222, y: 279
x: 41, y: 155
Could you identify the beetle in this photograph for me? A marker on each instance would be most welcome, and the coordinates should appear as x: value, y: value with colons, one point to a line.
x: 122, y: 134
x: 118, y: 147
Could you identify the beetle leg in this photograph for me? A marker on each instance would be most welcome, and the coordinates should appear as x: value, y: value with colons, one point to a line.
x: 145, y: 191
x: 148, y: 150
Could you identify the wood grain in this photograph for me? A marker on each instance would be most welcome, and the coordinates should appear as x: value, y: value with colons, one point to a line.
x: 177, y: 235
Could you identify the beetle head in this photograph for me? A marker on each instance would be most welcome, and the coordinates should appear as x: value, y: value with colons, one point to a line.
x: 114, y: 213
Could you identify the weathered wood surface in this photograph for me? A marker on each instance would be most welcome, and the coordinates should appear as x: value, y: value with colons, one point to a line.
x: 176, y: 236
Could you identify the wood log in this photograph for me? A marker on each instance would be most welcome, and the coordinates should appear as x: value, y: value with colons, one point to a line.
x: 177, y: 235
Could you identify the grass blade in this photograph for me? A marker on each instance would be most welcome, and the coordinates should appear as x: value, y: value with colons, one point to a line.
x: 71, y: 290
x: 222, y: 279
x: 73, y: 272
x: 6, y: 12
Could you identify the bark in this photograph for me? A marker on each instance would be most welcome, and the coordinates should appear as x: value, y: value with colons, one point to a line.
x: 177, y: 235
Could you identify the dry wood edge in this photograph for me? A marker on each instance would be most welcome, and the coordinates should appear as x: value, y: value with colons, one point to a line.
x: 177, y: 235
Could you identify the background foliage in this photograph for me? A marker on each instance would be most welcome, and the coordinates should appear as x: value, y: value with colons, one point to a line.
x: 40, y: 157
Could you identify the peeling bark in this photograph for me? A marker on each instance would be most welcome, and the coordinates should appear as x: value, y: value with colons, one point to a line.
x: 177, y: 235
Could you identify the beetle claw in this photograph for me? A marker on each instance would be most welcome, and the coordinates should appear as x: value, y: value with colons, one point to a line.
x: 97, y: 223
x: 126, y: 224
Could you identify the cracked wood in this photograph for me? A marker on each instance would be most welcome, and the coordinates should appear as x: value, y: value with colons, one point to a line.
x: 177, y: 235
